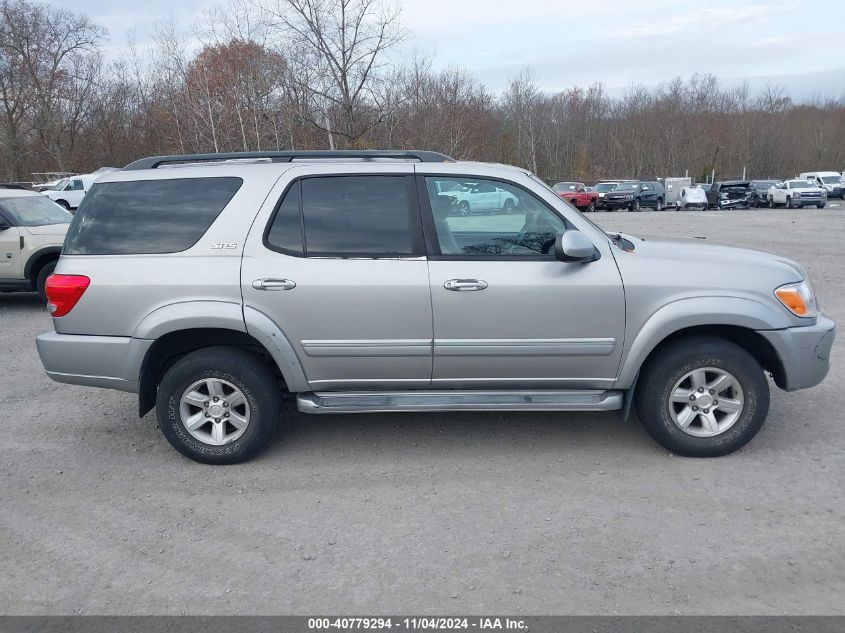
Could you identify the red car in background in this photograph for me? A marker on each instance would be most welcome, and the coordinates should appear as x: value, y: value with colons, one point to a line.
x: 576, y: 194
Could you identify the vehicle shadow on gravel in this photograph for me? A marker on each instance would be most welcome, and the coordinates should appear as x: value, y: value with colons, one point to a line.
x: 458, y: 433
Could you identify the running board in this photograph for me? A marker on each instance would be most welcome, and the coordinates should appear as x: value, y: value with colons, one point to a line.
x: 397, y: 401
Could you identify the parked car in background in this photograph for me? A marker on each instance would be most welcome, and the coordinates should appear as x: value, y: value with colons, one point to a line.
x: 758, y: 190
x: 70, y: 191
x: 635, y: 195
x: 576, y: 194
x: 728, y: 194
x: 602, y: 188
x: 32, y: 230
x: 692, y: 197
x: 830, y: 181
x: 795, y: 194
x: 480, y: 197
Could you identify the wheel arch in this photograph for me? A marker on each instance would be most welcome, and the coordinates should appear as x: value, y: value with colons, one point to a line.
x: 38, y: 260
x: 733, y: 319
x: 169, y: 348
x: 180, y: 328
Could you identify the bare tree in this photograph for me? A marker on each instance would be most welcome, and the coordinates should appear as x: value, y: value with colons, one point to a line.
x: 345, y: 41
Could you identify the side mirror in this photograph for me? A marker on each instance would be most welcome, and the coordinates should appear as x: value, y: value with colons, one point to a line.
x: 4, y: 226
x: 574, y: 246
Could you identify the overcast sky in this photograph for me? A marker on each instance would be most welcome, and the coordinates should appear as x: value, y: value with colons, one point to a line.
x: 566, y: 43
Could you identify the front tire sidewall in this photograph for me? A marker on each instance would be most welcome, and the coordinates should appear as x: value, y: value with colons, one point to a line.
x: 661, y: 376
x: 238, y: 368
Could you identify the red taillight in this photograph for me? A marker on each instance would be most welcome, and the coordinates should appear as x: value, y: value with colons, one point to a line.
x: 63, y: 291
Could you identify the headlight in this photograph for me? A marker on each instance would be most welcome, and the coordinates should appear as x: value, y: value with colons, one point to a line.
x: 723, y: 196
x: 629, y: 197
x: 798, y: 298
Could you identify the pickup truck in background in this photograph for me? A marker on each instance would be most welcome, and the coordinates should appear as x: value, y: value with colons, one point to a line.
x: 796, y: 194
x: 728, y: 194
x: 576, y: 194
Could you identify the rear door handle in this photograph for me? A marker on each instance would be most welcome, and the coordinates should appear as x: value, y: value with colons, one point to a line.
x: 461, y: 285
x: 273, y: 284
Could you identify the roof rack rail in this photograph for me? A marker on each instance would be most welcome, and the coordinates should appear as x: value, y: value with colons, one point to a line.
x: 153, y: 162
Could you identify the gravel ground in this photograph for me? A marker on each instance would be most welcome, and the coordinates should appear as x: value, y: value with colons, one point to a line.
x: 427, y: 513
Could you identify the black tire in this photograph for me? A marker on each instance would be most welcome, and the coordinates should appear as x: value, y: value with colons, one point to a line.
x: 771, y: 203
x: 637, y: 206
x: 41, y: 280
x: 668, y: 365
x: 245, y: 371
x: 820, y: 206
x: 508, y: 206
x: 659, y: 205
x: 463, y: 208
x: 590, y: 208
x: 63, y: 203
x: 788, y: 204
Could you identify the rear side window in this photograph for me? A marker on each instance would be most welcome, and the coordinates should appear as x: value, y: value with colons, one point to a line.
x: 344, y: 216
x: 147, y: 216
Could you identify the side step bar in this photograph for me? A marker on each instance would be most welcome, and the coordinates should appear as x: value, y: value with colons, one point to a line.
x: 397, y: 401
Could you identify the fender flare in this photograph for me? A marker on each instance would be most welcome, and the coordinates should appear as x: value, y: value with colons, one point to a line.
x: 265, y: 331
x: 38, y: 256
x: 189, y: 315
x: 695, y: 311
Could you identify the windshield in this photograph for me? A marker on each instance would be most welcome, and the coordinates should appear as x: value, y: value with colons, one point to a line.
x: 59, y: 185
x: 34, y: 211
x: 764, y: 184
x: 606, y: 186
x: 627, y: 186
x: 799, y: 184
x: 565, y: 186
x: 831, y: 180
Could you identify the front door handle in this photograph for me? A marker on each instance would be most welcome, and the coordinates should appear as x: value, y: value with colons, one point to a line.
x: 273, y: 284
x: 461, y: 285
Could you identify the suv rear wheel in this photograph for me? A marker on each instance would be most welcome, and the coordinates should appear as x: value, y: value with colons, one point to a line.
x: 218, y: 405
x: 702, y: 397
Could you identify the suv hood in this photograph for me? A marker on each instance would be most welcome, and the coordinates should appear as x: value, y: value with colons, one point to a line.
x: 57, y: 230
x: 734, y: 265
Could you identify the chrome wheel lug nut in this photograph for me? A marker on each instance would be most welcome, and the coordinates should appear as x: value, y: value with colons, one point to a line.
x: 712, y: 391
x: 695, y: 408
x: 692, y: 398
x: 205, y: 404
x: 226, y: 415
x: 225, y: 403
x: 216, y: 398
x: 707, y: 411
x: 217, y: 419
x: 701, y: 390
x: 715, y: 402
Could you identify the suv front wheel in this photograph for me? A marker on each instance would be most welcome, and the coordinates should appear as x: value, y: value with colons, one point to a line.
x: 702, y: 397
x: 218, y: 405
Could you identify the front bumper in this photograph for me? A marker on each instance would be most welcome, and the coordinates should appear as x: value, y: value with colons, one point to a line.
x: 804, y: 353
x: 617, y: 204
x: 110, y: 362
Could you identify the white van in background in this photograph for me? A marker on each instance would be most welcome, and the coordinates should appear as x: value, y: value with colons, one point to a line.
x: 70, y: 192
x: 830, y: 181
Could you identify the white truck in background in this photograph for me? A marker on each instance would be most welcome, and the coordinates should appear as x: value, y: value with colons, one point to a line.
x: 830, y: 181
x: 796, y: 193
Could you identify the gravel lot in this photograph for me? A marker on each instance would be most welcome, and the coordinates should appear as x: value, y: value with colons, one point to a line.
x: 429, y: 513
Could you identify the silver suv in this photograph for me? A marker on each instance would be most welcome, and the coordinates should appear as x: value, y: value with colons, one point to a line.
x: 212, y: 285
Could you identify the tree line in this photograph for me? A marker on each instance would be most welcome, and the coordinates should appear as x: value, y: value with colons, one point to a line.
x: 315, y: 74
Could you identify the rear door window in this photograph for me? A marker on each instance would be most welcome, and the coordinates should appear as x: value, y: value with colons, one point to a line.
x: 147, y: 216
x: 344, y: 216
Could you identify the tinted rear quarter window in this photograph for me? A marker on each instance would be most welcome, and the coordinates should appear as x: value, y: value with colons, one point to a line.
x: 147, y: 216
